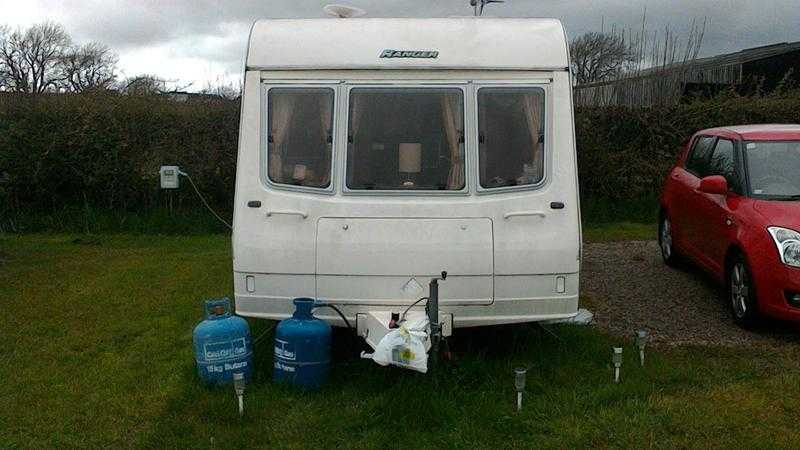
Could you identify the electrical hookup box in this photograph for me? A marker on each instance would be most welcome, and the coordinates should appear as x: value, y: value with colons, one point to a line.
x: 170, y: 177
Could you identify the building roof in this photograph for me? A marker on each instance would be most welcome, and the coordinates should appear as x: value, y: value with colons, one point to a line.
x: 723, y: 69
x: 727, y: 59
x: 749, y: 54
x: 760, y: 132
x: 458, y: 43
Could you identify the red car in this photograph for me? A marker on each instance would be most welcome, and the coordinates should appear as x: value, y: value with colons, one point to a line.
x: 732, y: 206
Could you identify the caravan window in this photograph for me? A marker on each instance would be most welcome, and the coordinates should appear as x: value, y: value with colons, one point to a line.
x: 511, y: 136
x: 406, y: 139
x: 300, y: 133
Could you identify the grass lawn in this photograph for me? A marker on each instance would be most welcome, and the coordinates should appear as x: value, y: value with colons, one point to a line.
x: 96, y: 351
x: 621, y: 231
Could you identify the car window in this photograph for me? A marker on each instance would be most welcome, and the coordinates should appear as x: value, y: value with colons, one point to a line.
x: 698, y: 162
x: 723, y: 162
x: 773, y: 167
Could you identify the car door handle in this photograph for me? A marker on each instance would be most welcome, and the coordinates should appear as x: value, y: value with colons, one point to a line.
x: 509, y: 215
x: 287, y: 213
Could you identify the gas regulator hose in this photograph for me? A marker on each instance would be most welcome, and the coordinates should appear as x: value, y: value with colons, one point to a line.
x: 338, y: 311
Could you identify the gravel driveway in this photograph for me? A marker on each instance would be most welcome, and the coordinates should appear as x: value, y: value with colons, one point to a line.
x: 628, y: 287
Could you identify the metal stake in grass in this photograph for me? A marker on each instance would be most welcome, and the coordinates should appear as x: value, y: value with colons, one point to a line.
x: 641, y: 342
x: 616, y: 359
x: 238, y: 386
x: 519, y: 383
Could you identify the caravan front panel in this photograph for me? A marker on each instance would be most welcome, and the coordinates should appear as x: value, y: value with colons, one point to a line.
x: 376, y: 174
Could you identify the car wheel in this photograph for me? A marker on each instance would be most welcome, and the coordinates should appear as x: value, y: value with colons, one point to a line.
x: 742, y: 293
x: 665, y: 241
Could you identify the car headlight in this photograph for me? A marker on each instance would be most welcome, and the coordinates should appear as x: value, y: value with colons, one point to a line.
x: 788, y: 242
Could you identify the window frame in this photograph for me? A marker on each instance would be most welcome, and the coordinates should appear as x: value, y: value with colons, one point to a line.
x: 548, y: 137
x: 736, y: 164
x: 264, y: 138
x: 407, y: 84
x: 692, y: 151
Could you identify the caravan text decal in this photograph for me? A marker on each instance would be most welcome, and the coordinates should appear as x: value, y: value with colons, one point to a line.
x: 389, y: 53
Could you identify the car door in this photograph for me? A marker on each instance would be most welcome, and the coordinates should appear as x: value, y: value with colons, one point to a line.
x: 714, y: 215
x: 686, y: 226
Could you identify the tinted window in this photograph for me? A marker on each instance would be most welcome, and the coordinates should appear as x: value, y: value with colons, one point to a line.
x: 406, y: 139
x: 698, y: 162
x: 723, y: 162
x: 511, y: 126
x: 300, y: 124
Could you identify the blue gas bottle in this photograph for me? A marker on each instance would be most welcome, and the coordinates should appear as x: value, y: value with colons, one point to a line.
x: 222, y: 344
x: 302, y: 348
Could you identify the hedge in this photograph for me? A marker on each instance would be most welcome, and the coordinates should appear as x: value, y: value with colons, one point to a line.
x: 69, y: 158
x: 103, y: 151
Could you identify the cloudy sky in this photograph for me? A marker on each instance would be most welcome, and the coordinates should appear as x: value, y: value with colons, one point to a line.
x: 200, y: 41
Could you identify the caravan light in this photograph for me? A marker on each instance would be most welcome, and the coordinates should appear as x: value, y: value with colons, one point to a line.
x: 238, y: 386
x: 616, y: 359
x: 641, y: 342
x: 519, y: 384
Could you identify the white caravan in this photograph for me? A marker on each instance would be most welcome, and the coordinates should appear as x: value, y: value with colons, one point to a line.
x: 376, y: 153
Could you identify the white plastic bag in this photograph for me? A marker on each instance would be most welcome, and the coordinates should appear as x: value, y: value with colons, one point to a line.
x: 404, y: 346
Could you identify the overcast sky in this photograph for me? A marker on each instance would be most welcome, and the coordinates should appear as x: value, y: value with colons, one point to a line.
x: 199, y: 41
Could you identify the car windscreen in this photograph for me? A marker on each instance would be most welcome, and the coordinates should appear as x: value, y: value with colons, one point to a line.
x: 402, y: 139
x: 773, y: 168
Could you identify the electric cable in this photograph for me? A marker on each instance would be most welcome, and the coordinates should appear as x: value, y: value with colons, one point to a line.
x: 263, y: 334
x: 205, y: 202
x: 338, y: 311
x: 551, y: 332
x: 403, y: 316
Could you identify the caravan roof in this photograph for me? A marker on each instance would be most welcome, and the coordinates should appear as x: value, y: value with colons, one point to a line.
x: 453, y: 43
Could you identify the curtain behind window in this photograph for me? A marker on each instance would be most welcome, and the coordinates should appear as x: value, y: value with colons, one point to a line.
x: 356, y: 111
x: 280, y: 118
x: 532, y: 106
x: 326, y: 111
x: 452, y: 113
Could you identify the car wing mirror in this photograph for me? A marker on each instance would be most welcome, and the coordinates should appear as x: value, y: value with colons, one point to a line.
x: 715, y: 185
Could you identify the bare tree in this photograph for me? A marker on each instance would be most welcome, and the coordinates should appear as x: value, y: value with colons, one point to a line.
x: 5, y: 76
x: 661, y: 65
x: 144, y: 84
x: 88, y: 67
x: 599, y: 56
x: 11, y: 64
x: 149, y: 84
x: 29, y: 59
x: 223, y: 88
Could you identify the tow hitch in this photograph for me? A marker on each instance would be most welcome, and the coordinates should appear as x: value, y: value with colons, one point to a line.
x: 432, y: 308
x: 405, y: 339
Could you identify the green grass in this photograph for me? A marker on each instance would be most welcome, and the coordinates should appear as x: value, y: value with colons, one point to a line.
x: 187, y: 220
x: 96, y: 351
x: 602, y: 211
x: 622, y: 231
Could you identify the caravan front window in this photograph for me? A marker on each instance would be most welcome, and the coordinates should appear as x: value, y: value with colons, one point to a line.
x: 511, y: 136
x: 299, y: 136
x: 406, y: 139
